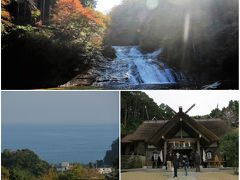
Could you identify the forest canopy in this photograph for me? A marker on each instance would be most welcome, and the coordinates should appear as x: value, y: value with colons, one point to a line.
x: 136, y: 107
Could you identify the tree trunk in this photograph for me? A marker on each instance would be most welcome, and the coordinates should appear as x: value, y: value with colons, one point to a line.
x: 125, y: 119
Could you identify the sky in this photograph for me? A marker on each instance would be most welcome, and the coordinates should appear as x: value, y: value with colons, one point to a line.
x: 65, y: 107
x: 105, y: 6
x: 205, y: 100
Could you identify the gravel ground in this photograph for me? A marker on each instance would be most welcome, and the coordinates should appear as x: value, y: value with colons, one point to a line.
x: 142, y: 176
x: 223, y: 175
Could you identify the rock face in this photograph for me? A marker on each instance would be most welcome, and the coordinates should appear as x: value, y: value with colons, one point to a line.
x: 87, y: 78
x: 109, y: 52
x: 81, y: 80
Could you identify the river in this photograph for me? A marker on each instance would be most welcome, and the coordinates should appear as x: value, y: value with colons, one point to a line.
x: 132, y: 69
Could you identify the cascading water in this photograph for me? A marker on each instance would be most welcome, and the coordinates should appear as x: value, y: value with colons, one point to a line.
x: 132, y: 68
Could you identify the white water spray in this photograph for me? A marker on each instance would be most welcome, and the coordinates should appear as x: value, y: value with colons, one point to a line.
x: 131, y: 67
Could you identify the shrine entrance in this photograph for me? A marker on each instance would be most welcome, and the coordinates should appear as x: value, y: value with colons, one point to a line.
x: 183, y: 152
x: 183, y: 146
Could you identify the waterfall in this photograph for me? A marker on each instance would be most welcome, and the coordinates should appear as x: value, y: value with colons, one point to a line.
x: 131, y: 67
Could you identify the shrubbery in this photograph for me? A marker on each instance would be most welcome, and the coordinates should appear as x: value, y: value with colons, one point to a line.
x: 229, y: 148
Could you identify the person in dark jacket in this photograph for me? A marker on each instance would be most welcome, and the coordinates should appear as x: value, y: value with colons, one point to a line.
x: 191, y: 160
x: 153, y: 163
x: 175, y: 165
x: 197, y: 162
x: 158, y: 162
x: 181, y: 160
x: 185, y: 163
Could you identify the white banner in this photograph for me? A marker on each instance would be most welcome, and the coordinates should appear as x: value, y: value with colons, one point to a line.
x: 161, y: 156
x: 204, y: 156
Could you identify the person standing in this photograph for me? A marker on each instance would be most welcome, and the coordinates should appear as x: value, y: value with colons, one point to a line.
x: 153, y: 163
x: 185, y: 163
x: 197, y: 161
x: 191, y: 161
x: 154, y: 160
x: 158, y: 161
x: 181, y: 160
x: 178, y: 159
x: 169, y: 162
x: 175, y: 165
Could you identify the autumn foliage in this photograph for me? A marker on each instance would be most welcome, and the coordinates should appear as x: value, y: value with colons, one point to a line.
x: 79, y: 24
x: 5, y: 15
x: 66, y: 11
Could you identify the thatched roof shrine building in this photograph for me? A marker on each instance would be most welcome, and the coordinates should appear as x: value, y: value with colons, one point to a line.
x: 181, y: 134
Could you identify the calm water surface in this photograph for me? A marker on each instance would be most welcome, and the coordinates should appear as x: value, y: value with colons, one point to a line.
x: 57, y: 143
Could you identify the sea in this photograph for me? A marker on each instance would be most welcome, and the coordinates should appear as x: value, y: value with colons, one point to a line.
x: 61, y: 143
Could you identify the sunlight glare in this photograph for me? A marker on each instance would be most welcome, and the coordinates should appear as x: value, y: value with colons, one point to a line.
x: 179, y: 2
x: 105, y: 6
x: 186, y: 27
x: 151, y: 4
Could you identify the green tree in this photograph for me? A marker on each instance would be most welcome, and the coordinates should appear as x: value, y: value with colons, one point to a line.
x: 230, y: 114
x: 16, y: 175
x: 79, y: 172
x: 137, y: 107
x: 229, y: 148
x: 4, y: 173
x: 216, y: 113
x: 24, y: 160
x: 50, y: 175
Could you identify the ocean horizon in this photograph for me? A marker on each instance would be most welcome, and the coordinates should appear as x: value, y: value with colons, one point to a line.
x: 56, y: 143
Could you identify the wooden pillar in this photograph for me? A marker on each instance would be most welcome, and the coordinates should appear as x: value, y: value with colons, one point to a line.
x: 198, y: 148
x: 135, y: 147
x: 127, y: 150
x: 165, y: 151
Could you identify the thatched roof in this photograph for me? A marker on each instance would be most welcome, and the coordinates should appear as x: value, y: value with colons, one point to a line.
x: 218, y: 126
x: 127, y: 138
x: 150, y: 131
x: 146, y: 130
x: 189, y: 125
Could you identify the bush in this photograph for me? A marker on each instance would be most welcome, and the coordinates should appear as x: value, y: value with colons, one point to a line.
x: 229, y: 148
x: 132, y: 161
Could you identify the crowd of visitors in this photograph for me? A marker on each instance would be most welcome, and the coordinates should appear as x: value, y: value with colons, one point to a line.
x: 176, y: 160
